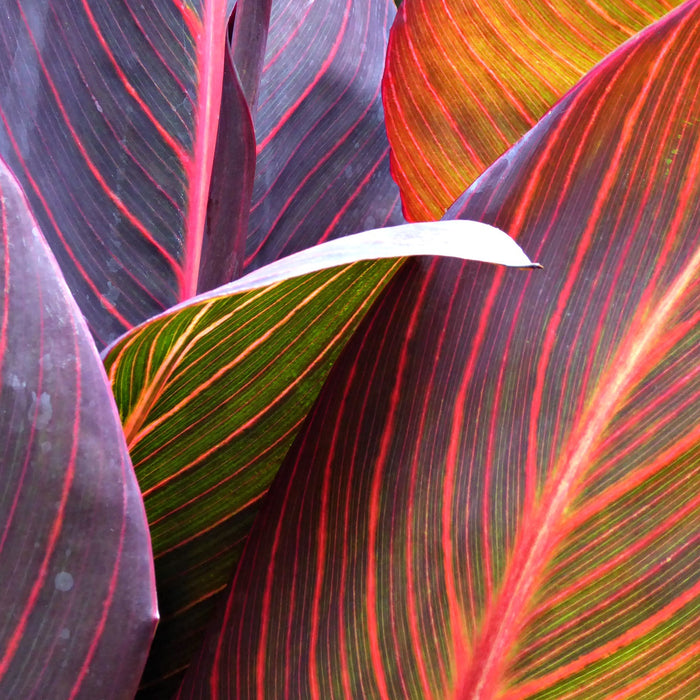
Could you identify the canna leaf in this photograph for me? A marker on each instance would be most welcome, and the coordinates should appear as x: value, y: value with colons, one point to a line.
x: 108, y: 118
x: 248, y: 43
x: 231, y: 187
x: 212, y: 394
x: 466, y: 79
x: 78, y: 593
x: 233, y: 171
x: 496, y: 494
x: 323, y: 156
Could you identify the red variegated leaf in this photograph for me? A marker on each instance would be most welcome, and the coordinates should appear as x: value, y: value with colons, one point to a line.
x: 497, y: 492
x: 109, y: 118
x: 465, y: 79
x: 212, y: 393
x: 78, y: 595
x: 323, y: 156
x: 248, y: 43
x: 231, y: 186
x: 233, y: 172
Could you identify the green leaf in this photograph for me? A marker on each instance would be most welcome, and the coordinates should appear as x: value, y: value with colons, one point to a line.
x: 212, y: 394
x: 465, y: 79
x: 497, y: 493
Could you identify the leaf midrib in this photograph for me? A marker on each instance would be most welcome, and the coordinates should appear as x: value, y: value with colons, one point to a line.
x: 532, y: 552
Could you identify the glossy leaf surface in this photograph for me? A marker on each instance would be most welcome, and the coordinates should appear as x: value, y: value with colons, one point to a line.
x: 231, y: 187
x: 211, y: 396
x: 323, y: 155
x: 497, y: 492
x: 109, y: 118
x: 78, y: 595
x: 233, y: 171
x: 248, y: 43
x: 466, y: 79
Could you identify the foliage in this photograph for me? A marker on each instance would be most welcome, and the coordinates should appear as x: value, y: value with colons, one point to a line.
x: 343, y: 472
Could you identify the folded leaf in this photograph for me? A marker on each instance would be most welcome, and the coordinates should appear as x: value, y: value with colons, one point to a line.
x: 231, y: 187
x: 108, y: 117
x: 323, y: 155
x: 233, y: 170
x: 496, y: 494
x: 465, y: 79
x: 248, y: 43
x: 212, y: 394
x: 78, y: 595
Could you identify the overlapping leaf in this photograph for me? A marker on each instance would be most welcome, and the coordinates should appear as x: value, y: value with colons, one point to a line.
x: 233, y: 170
x: 211, y: 396
x: 231, y: 187
x: 248, y: 43
x: 108, y: 115
x: 323, y: 155
x: 496, y: 494
x: 465, y: 80
x: 77, y: 596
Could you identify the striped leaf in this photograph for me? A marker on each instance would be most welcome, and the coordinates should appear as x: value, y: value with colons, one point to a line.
x: 496, y: 494
x: 233, y: 171
x: 465, y: 79
x: 212, y: 394
x: 108, y: 118
x: 231, y: 186
x: 248, y: 42
x: 323, y: 156
x: 78, y: 595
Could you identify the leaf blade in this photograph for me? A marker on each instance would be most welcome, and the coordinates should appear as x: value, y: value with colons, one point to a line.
x: 323, y: 168
x: 74, y: 537
x: 212, y: 393
x: 117, y: 153
x: 465, y: 81
x: 496, y: 492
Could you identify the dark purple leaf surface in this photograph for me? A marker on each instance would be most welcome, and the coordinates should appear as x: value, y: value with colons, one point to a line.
x: 78, y: 594
x: 497, y: 493
x: 231, y: 187
x: 108, y: 116
x: 233, y: 171
x: 248, y: 43
x: 323, y: 155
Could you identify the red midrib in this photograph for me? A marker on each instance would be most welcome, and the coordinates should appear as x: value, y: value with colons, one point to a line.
x: 532, y: 551
x: 210, y: 35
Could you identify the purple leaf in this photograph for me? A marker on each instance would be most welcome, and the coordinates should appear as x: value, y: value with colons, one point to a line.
x: 323, y: 155
x: 108, y: 118
x: 233, y: 172
x: 250, y: 29
x: 78, y: 593
x: 231, y: 186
